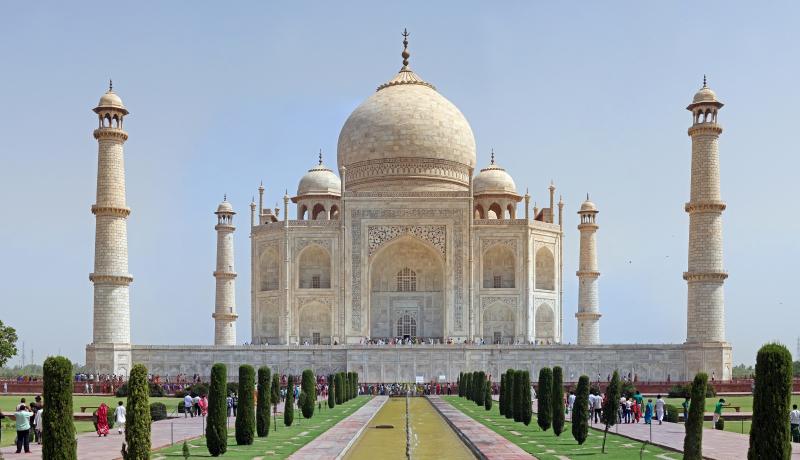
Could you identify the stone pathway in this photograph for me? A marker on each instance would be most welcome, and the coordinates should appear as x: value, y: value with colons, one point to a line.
x: 93, y: 447
x: 490, y: 444
x: 332, y: 443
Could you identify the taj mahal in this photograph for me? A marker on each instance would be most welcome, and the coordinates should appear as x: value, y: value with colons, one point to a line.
x: 409, y: 239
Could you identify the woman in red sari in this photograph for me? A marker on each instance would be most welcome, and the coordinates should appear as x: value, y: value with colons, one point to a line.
x: 203, y: 405
x: 102, y: 420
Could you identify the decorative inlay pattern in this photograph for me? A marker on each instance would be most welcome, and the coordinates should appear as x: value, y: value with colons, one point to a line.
x: 301, y: 243
x: 375, y: 170
x: 511, y: 301
x: 508, y: 242
x: 458, y: 215
x: 378, y: 235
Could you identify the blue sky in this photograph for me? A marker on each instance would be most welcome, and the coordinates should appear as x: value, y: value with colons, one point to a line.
x: 223, y: 95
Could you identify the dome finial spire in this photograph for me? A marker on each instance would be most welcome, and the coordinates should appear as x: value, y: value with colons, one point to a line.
x: 405, y: 54
x: 110, y: 85
x: 492, y: 162
x: 705, y: 84
x: 320, y: 156
x: 225, y: 197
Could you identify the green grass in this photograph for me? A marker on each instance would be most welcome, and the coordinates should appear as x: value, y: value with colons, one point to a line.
x: 279, y: 444
x: 544, y: 445
x: 9, y: 403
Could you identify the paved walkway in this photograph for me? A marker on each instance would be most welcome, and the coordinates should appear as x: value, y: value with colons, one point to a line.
x: 490, y: 444
x: 93, y: 447
x: 332, y: 443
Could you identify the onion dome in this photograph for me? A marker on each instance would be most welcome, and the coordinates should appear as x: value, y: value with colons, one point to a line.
x: 319, y: 180
x: 225, y: 207
x: 705, y: 95
x: 587, y: 206
x: 407, y: 136
x: 493, y: 180
x: 110, y: 100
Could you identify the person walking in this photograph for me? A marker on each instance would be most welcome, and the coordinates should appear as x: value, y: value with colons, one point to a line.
x: 794, y: 423
x: 120, y: 414
x: 36, y: 406
x: 648, y: 412
x: 598, y: 408
x: 37, y: 419
x: 660, y: 406
x: 570, y: 401
x: 187, y: 406
x: 685, y: 405
x: 22, y: 420
x: 102, y: 420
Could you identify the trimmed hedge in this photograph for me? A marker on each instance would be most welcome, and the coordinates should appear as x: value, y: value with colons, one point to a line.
x: 262, y: 403
x: 137, y: 426
x: 275, y: 390
x: 580, y: 411
x: 288, y: 408
x: 158, y: 411
x: 557, y: 397
x: 59, y: 444
x: 245, y: 411
x: 502, y: 390
x: 693, y: 441
x: 544, y: 418
x: 510, y: 399
x: 769, y: 433
x: 527, y: 409
x: 610, y: 404
x: 460, y: 384
x: 480, y: 387
x: 671, y: 413
x: 487, y: 397
x: 217, y: 422
x: 308, y: 395
x: 331, y: 392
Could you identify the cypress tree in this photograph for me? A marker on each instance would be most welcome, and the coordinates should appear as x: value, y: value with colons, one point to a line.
x: 245, y: 413
x: 526, y: 398
x: 262, y: 404
x: 693, y: 440
x: 275, y: 392
x: 580, y: 410
x: 352, y: 384
x: 501, y: 390
x: 769, y: 433
x: 331, y: 392
x: 339, y: 388
x: 509, y: 399
x: 59, y: 444
x: 355, y: 387
x: 137, y: 426
x: 518, y: 395
x: 480, y: 388
x: 467, y: 393
x: 557, y: 397
x: 544, y: 416
x: 487, y: 397
x: 217, y: 426
x: 288, y: 408
x: 610, y: 404
x: 308, y: 388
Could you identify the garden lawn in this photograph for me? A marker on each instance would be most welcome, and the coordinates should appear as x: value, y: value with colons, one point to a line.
x: 279, y: 444
x: 544, y: 445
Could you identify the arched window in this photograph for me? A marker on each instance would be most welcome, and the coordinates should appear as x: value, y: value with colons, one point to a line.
x: 498, y: 267
x: 318, y: 212
x: 511, y: 211
x: 406, y: 280
x: 270, y: 270
x: 314, y: 268
x: 479, y: 214
x: 545, y: 270
x: 334, y: 212
x: 301, y: 214
x: 495, y: 212
x: 406, y: 326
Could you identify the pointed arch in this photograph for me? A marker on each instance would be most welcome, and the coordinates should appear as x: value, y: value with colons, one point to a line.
x: 314, y: 268
x: 545, y: 269
x: 545, y: 322
x: 498, y: 267
x: 269, y: 270
x: 334, y: 213
x: 318, y: 212
x: 498, y: 323
x: 479, y: 212
x: 495, y: 212
x: 314, y: 323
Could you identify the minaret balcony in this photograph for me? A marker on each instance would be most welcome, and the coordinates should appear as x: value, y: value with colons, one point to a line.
x: 111, y: 133
x: 705, y: 128
x: 705, y: 276
x: 705, y: 206
x: 224, y: 274
x: 120, y: 280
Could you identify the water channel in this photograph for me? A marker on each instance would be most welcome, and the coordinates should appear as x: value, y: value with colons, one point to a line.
x: 429, y: 436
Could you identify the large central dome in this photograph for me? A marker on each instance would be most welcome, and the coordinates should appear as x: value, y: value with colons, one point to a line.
x: 407, y: 137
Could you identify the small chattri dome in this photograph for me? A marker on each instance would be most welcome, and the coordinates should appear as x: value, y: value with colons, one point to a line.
x: 493, y: 180
x: 225, y: 207
x: 110, y: 99
x: 588, y: 206
x: 320, y: 180
x: 705, y: 94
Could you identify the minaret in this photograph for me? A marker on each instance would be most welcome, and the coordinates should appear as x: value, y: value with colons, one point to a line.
x: 706, y: 275
x: 110, y: 348
x: 588, y: 300
x: 225, y: 303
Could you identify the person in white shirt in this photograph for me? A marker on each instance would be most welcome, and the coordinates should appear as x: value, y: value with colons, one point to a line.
x: 37, y: 420
x: 570, y: 401
x: 794, y: 422
x: 119, y: 417
x: 660, y: 409
x: 187, y: 406
x: 598, y: 408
